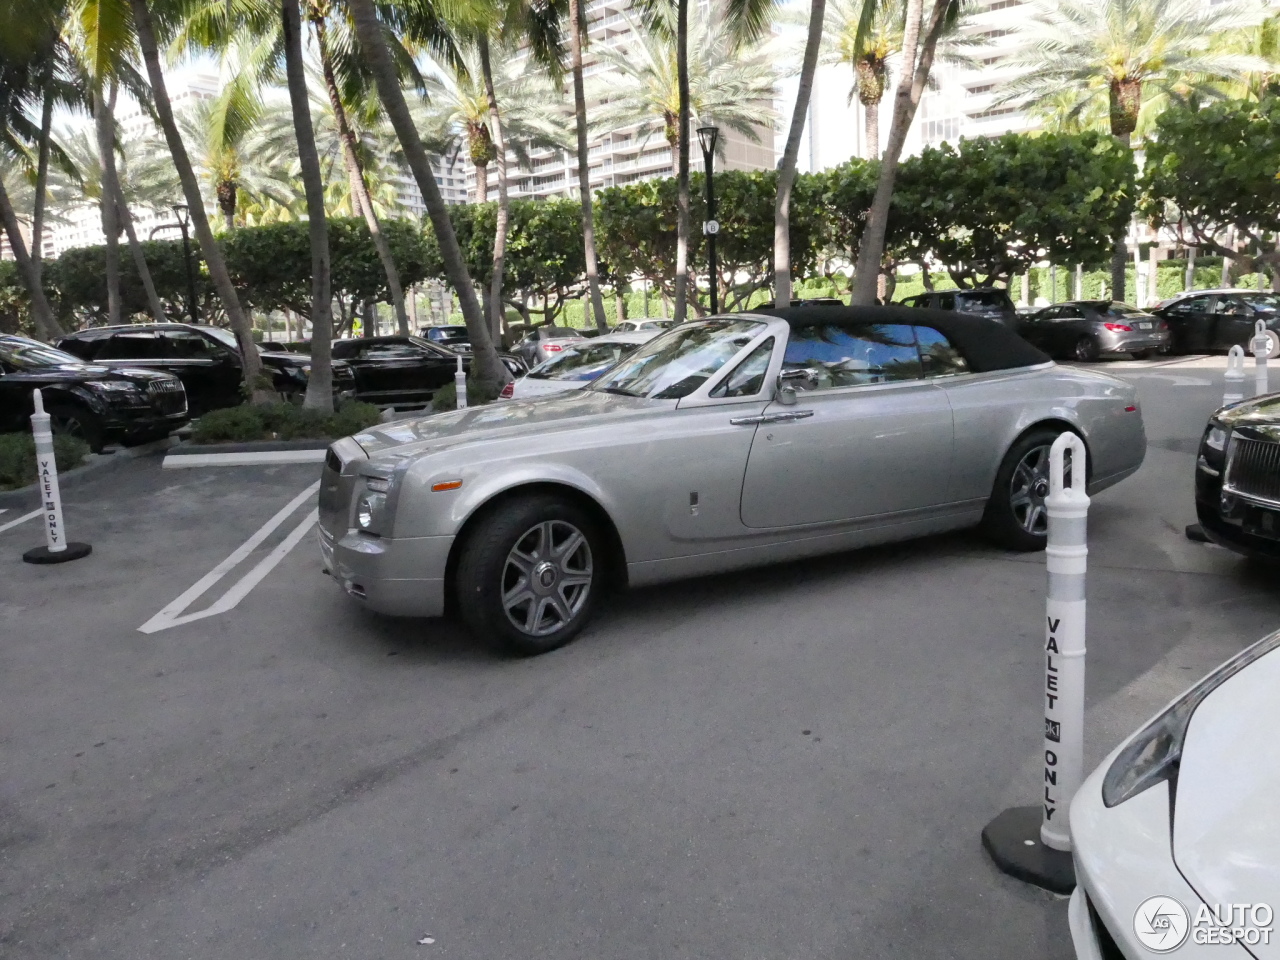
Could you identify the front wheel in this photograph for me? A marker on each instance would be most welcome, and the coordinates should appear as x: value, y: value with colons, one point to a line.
x: 1086, y: 350
x: 1016, y: 517
x: 529, y: 575
x: 1273, y: 349
x: 73, y: 420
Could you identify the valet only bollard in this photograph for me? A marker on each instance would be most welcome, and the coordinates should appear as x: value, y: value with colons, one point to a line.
x: 460, y: 385
x: 1234, y: 391
x: 1033, y: 844
x: 1261, y: 346
x: 57, y: 549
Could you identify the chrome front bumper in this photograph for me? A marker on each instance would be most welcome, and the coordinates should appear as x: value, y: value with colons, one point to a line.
x: 401, y: 578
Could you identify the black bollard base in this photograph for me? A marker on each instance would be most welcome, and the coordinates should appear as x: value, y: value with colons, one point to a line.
x: 1012, y: 840
x: 1196, y: 532
x: 74, y: 551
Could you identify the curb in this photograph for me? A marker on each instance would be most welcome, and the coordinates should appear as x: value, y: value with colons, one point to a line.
x: 255, y: 453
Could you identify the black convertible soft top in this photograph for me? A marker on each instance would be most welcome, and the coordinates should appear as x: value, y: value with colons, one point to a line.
x: 986, y: 344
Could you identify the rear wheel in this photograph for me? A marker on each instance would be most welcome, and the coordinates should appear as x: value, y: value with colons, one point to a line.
x: 1086, y: 350
x: 73, y: 420
x: 1273, y: 351
x: 529, y: 574
x: 1015, y: 516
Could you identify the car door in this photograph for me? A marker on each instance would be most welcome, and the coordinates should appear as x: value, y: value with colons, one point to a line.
x: 1232, y: 322
x: 1067, y: 328
x: 1191, y: 322
x: 868, y: 435
x: 209, y: 372
x: 1037, y: 328
x: 15, y: 405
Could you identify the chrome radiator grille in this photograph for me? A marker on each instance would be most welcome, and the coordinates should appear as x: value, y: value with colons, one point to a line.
x: 167, y: 396
x: 1253, y: 470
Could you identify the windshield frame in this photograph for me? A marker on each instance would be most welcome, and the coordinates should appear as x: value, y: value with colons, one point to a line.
x: 58, y: 358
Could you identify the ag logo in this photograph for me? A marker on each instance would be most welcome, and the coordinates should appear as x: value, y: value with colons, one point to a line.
x: 1161, y: 924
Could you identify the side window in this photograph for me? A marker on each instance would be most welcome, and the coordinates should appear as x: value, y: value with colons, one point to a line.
x: 133, y: 346
x: 835, y: 356
x: 1233, y: 307
x: 747, y: 378
x: 946, y: 301
x: 1190, y: 306
x: 190, y: 346
x: 82, y: 348
x: 939, y: 357
x: 1070, y: 313
x: 344, y: 349
x: 1050, y: 313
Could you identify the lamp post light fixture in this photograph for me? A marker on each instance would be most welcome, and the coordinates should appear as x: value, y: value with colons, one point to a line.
x: 707, y: 137
x: 181, y: 211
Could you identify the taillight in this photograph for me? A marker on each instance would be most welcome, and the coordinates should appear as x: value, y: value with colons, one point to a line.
x: 1118, y: 327
x: 508, y: 391
x: 552, y: 347
x: 1162, y: 326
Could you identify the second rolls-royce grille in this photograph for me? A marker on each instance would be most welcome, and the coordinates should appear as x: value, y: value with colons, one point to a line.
x: 1253, y: 470
x: 167, y: 396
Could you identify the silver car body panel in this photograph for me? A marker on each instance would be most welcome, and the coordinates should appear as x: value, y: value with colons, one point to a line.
x: 695, y: 486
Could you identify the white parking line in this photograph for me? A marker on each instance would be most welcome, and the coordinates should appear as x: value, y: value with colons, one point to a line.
x: 172, y: 615
x: 22, y: 519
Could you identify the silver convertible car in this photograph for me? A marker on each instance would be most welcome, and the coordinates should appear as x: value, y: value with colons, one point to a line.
x: 722, y: 443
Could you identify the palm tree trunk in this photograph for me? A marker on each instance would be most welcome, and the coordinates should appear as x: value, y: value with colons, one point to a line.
x: 320, y: 381
x: 47, y: 326
x: 504, y: 203
x: 104, y: 127
x: 486, y: 367
x: 362, y: 200
x: 871, y: 126
x: 917, y: 59
x: 214, y: 261
x: 1120, y: 253
x: 135, y: 250
x: 787, y: 169
x: 682, y: 161
x: 584, y: 164
x: 482, y: 182
x: 42, y: 183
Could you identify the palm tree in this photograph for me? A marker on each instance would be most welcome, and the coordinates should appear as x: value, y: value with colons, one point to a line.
x: 577, y: 33
x: 144, y: 27
x: 1125, y: 52
x: 372, y: 34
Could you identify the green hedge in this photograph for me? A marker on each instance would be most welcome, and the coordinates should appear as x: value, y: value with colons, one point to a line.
x: 18, y: 457
x: 282, y: 421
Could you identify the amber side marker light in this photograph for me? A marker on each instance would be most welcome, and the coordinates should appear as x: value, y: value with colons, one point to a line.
x: 446, y: 485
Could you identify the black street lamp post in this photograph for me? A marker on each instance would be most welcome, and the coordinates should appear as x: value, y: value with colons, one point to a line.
x: 184, y: 220
x: 707, y: 136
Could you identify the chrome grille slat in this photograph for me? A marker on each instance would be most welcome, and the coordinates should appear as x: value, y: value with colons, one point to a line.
x: 1253, y: 470
x: 167, y: 396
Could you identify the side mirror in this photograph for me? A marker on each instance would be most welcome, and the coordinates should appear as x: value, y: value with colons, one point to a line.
x: 785, y: 392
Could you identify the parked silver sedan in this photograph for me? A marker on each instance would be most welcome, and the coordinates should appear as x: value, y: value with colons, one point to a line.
x: 722, y: 443
x: 1086, y: 329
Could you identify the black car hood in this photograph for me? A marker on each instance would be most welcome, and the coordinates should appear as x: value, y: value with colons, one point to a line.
x: 1260, y: 415
x: 86, y: 373
x: 281, y: 360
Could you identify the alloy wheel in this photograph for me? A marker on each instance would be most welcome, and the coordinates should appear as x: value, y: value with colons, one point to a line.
x: 67, y: 425
x: 1029, y: 488
x: 547, y: 577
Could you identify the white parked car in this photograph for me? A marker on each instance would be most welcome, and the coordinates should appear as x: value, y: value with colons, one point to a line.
x: 1176, y: 836
x: 642, y: 323
x: 576, y: 365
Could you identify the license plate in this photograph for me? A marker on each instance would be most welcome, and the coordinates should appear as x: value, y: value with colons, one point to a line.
x: 1144, y: 325
x: 1262, y: 522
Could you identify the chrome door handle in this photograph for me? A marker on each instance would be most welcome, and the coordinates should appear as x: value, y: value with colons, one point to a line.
x: 772, y: 418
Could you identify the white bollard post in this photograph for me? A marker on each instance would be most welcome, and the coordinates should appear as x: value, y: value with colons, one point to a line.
x: 56, y: 549
x: 1066, y: 559
x: 460, y: 385
x: 1261, y: 345
x: 1234, y: 391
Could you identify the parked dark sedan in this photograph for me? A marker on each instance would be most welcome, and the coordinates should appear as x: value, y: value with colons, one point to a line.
x: 1203, y: 320
x: 1086, y: 329
x: 205, y: 358
x: 92, y: 402
x: 990, y: 302
x: 405, y: 371
x: 1238, y: 477
x: 452, y: 337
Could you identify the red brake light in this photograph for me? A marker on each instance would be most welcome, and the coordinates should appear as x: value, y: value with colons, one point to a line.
x: 552, y: 347
x: 508, y: 391
x: 1130, y: 409
x: 1163, y: 326
x: 1118, y: 327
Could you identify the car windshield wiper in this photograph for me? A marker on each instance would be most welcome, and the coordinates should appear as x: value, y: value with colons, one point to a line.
x: 620, y: 392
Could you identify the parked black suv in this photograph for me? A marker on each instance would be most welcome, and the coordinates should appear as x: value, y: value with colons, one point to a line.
x: 990, y: 302
x: 1238, y: 477
x: 206, y: 359
x: 405, y: 371
x: 95, y: 403
x: 1219, y: 319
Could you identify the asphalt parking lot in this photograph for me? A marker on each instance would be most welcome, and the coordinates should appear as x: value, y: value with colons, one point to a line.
x: 792, y: 762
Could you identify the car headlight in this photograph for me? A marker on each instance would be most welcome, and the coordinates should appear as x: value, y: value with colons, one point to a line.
x: 1154, y: 754
x: 113, y: 386
x: 369, y: 511
x: 302, y: 371
x: 1216, y: 438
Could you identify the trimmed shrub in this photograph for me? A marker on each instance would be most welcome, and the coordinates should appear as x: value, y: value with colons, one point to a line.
x: 282, y: 421
x: 446, y: 398
x: 18, y: 457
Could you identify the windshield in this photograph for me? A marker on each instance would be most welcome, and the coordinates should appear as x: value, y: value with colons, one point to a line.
x: 1264, y: 303
x: 676, y: 363
x: 447, y: 333
x: 986, y: 301
x: 22, y: 352
x: 582, y: 363
x: 225, y: 337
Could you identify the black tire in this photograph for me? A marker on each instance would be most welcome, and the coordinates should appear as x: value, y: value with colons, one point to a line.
x: 1274, y: 351
x: 561, y: 586
x: 1015, y: 517
x: 1144, y: 354
x: 76, y: 420
x: 1086, y: 350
